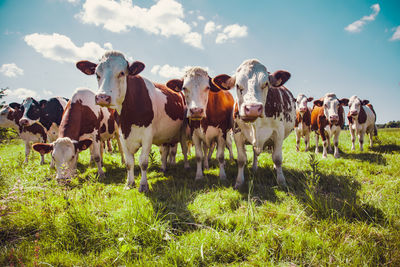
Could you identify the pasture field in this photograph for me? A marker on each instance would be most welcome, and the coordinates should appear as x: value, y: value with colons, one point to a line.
x: 341, y: 212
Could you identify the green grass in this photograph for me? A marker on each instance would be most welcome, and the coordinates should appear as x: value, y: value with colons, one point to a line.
x: 334, y: 212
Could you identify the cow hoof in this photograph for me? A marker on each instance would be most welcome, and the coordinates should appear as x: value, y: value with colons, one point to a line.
x: 324, y: 156
x: 186, y: 166
x: 222, y: 177
x: 336, y: 156
x: 198, y: 177
x: 102, y: 175
x: 238, y: 186
x: 144, y: 188
x: 128, y: 187
x: 282, y: 183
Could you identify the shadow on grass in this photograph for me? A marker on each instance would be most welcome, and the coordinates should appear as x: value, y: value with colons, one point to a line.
x: 389, y: 148
x: 364, y: 156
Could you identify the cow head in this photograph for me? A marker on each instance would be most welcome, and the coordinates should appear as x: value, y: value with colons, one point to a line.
x: 252, y: 81
x: 355, y: 105
x: 331, y: 105
x: 64, y: 152
x: 196, y: 84
x: 301, y: 103
x: 111, y: 73
x: 31, y: 111
x: 10, y: 115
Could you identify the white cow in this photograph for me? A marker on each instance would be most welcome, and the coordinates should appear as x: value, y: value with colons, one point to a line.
x: 302, y: 127
x: 266, y: 112
x: 362, y: 120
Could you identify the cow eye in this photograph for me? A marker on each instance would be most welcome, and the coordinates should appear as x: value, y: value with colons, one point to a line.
x: 239, y: 88
x: 98, y: 76
x: 326, y: 105
x: 184, y: 89
x: 121, y: 74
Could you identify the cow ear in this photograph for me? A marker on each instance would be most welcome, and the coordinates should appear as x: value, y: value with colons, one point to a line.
x: 212, y: 86
x: 318, y: 103
x: 364, y: 102
x: 310, y: 99
x: 42, y: 103
x: 344, y: 101
x: 175, y: 85
x: 135, y: 68
x: 15, y: 105
x: 86, y: 67
x: 42, y: 148
x: 82, y: 144
x: 279, y: 78
x: 223, y: 81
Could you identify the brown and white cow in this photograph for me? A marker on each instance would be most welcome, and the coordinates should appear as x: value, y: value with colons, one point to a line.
x: 362, y: 118
x: 148, y: 113
x: 209, y: 113
x: 9, y: 118
x: 302, y: 127
x: 265, y: 113
x: 327, y: 120
x: 83, y: 125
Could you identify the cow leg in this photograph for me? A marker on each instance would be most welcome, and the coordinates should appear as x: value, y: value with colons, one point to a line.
x: 325, y: 147
x: 210, y: 152
x: 329, y: 144
x: 52, y: 163
x: 109, y: 146
x: 205, y: 158
x: 144, y: 162
x: 316, y: 143
x: 172, y: 154
x: 229, y: 145
x: 336, y: 144
x: 120, y: 148
x: 307, y: 140
x: 164, y: 151
x: 255, y: 160
x: 199, y: 157
x: 371, y: 135
x: 353, y: 137
x: 221, y: 157
x: 361, y: 140
x: 130, y: 165
x: 102, y: 145
x: 96, y: 150
x: 277, y: 159
x: 185, y: 150
x: 298, y: 138
x: 241, y: 159
x: 27, y: 151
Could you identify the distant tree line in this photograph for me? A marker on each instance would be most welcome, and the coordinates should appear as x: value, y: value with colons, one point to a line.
x: 4, y: 132
x: 390, y: 124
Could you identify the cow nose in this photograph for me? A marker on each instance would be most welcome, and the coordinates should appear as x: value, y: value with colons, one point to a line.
x: 103, y: 99
x: 253, y: 110
x: 303, y: 109
x: 23, y: 122
x: 354, y: 113
x: 196, y: 112
x: 334, y: 118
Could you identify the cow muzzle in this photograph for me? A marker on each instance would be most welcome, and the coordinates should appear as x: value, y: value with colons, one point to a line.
x: 103, y: 99
x: 334, y: 118
x: 302, y: 110
x: 252, y: 112
x: 353, y: 113
x: 196, y: 113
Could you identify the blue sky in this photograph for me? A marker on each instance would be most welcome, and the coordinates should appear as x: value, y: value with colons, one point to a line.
x: 346, y: 47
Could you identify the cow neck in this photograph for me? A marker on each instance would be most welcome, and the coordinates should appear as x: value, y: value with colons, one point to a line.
x: 279, y: 101
x: 175, y: 106
x: 52, y: 113
x: 137, y: 107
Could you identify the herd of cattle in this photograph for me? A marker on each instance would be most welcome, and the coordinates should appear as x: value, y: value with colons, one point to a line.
x: 196, y: 109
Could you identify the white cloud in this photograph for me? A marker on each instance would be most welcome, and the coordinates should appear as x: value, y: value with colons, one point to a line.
x: 163, y: 18
x: 357, y: 25
x: 231, y: 32
x: 19, y: 94
x: 60, y: 47
x: 11, y: 70
x: 47, y: 92
x: 200, y: 18
x: 171, y: 72
x: 396, y: 35
x: 210, y: 27
x: 194, y: 39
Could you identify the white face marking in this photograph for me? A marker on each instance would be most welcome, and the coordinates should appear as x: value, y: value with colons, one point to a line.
x: 354, y: 105
x: 331, y: 106
x: 64, y: 155
x: 301, y: 103
x: 112, y: 73
x: 252, y: 81
x: 30, y: 103
x: 196, y: 87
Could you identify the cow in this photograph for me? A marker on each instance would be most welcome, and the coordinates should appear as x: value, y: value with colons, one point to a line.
x: 302, y: 126
x: 148, y: 113
x: 9, y: 118
x: 327, y: 120
x: 48, y: 113
x: 209, y: 113
x: 84, y: 124
x: 362, y: 118
x: 265, y: 113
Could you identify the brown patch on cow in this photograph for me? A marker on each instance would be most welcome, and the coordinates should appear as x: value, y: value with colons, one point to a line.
x: 78, y: 120
x: 349, y: 118
x: 137, y: 108
x: 306, y: 118
x: 111, y: 121
x: 175, y: 106
x: 341, y: 116
x: 218, y: 113
x: 362, y: 116
x: 372, y: 108
x: 318, y: 121
x: 35, y: 129
x: 279, y: 100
